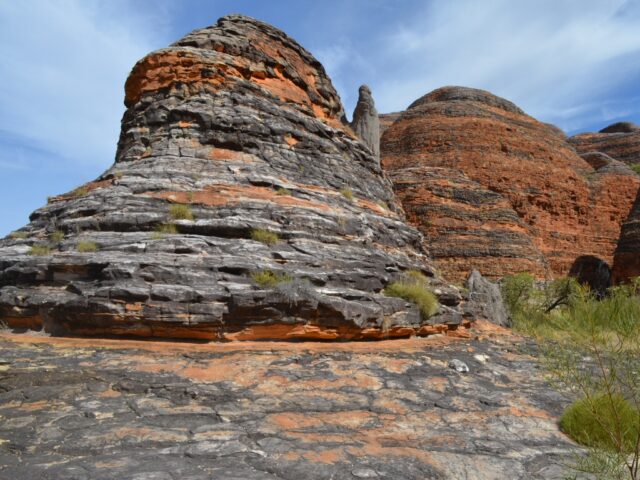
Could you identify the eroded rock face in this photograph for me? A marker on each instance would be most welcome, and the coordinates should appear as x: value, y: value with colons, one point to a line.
x: 620, y: 141
x: 564, y: 205
x: 232, y: 131
x: 365, y: 121
x: 626, y: 262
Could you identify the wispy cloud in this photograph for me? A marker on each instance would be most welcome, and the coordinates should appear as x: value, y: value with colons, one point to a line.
x: 63, y: 68
x: 560, y: 60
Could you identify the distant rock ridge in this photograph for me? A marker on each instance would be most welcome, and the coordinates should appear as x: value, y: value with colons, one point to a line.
x: 240, y: 207
x: 530, y: 202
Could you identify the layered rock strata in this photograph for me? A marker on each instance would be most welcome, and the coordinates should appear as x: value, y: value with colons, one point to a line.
x: 567, y: 207
x: 620, y: 141
x: 240, y: 206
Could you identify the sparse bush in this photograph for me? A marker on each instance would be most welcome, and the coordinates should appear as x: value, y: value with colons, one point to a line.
x: 269, y: 279
x: 165, y: 229
x: 413, y: 288
x: 80, y: 191
x: 86, y: 246
x: 347, y: 193
x: 118, y: 175
x: 295, y: 290
x: 283, y: 191
x: 18, y: 235
x: 38, y: 250
x: 180, y: 212
x: 591, y: 349
x: 604, y: 421
x: 57, y: 236
x: 264, y: 236
x: 635, y: 167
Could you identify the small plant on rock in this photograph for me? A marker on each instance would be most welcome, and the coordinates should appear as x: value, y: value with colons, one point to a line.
x: 180, y: 212
x: 80, y: 192
x: 56, y: 236
x: 413, y: 287
x: 18, y: 235
x: 283, y: 191
x: 86, y: 246
x: 39, y: 250
x: 347, y: 193
x: 164, y: 229
x: 269, y: 279
x: 264, y: 236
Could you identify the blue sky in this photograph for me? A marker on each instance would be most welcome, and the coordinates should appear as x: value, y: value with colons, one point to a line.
x: 575, y: 63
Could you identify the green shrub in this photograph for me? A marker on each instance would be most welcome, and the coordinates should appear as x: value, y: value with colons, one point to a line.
x: 603, y: 421
x: 86, y: 246
x: 57, y: 236
x: 283, y: 191
x: 635, y: 167
x: 264, y: 236
x: 517, y: 290
x: 413, y: 288
x: 269, y: 279
x: 347, y: 193
x: 165, y: 229
x: 40, y: 250
x: 180, y: 212
x: 18, y: 235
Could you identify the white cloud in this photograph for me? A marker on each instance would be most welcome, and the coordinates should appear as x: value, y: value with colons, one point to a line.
x: 63, y: 69
x: 556, y: 59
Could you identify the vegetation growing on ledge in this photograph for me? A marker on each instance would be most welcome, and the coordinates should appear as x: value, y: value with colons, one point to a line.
x: 165, y: 229
x: 264, y: 236
x: 57, y: 236
x: 38, y: 250
x: 180, y: 212
x: 86, y: 246
x: 269, y: 279
x: 283, y: 191
x: 413, y: 287
x: 18, y: 235
x: 347, y: 193
x: 80, y: 192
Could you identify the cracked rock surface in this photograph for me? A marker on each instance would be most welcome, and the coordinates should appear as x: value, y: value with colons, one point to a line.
x: 112, y: 409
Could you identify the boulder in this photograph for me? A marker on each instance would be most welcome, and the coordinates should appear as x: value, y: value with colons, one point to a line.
x: 485, y: 300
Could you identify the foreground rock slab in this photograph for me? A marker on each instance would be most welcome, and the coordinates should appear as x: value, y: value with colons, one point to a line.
x: 87, y: 409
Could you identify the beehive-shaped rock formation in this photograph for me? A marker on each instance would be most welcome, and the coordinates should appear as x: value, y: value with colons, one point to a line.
x: 497, y: 190
x: 240, y: 206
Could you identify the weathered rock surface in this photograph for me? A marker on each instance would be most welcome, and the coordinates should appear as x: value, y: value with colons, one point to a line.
x: 107, y: 410
x: 365, y: 121
x: 485, y: 300
x: 620, y: 141
x: 240, y: 128
x: 387, y: 119
x: 565, y: 206
x: 466, y: 225
x: 626, y: 262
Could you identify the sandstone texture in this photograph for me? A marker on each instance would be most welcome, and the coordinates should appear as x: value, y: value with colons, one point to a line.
x: 615, y: 148
x: 620, y: 141
x: 235, y: 160
x: 493, y: 188
x: 387, y: 119
x: 105, y: 409
x: 366, y: 123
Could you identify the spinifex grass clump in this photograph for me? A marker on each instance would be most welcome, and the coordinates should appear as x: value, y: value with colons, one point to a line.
x: 269, y: 279
x: 86, y: 246
x: 181, y: 212
x: 39, y: 250
x: 413, y: 287
x: 264, y: 236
